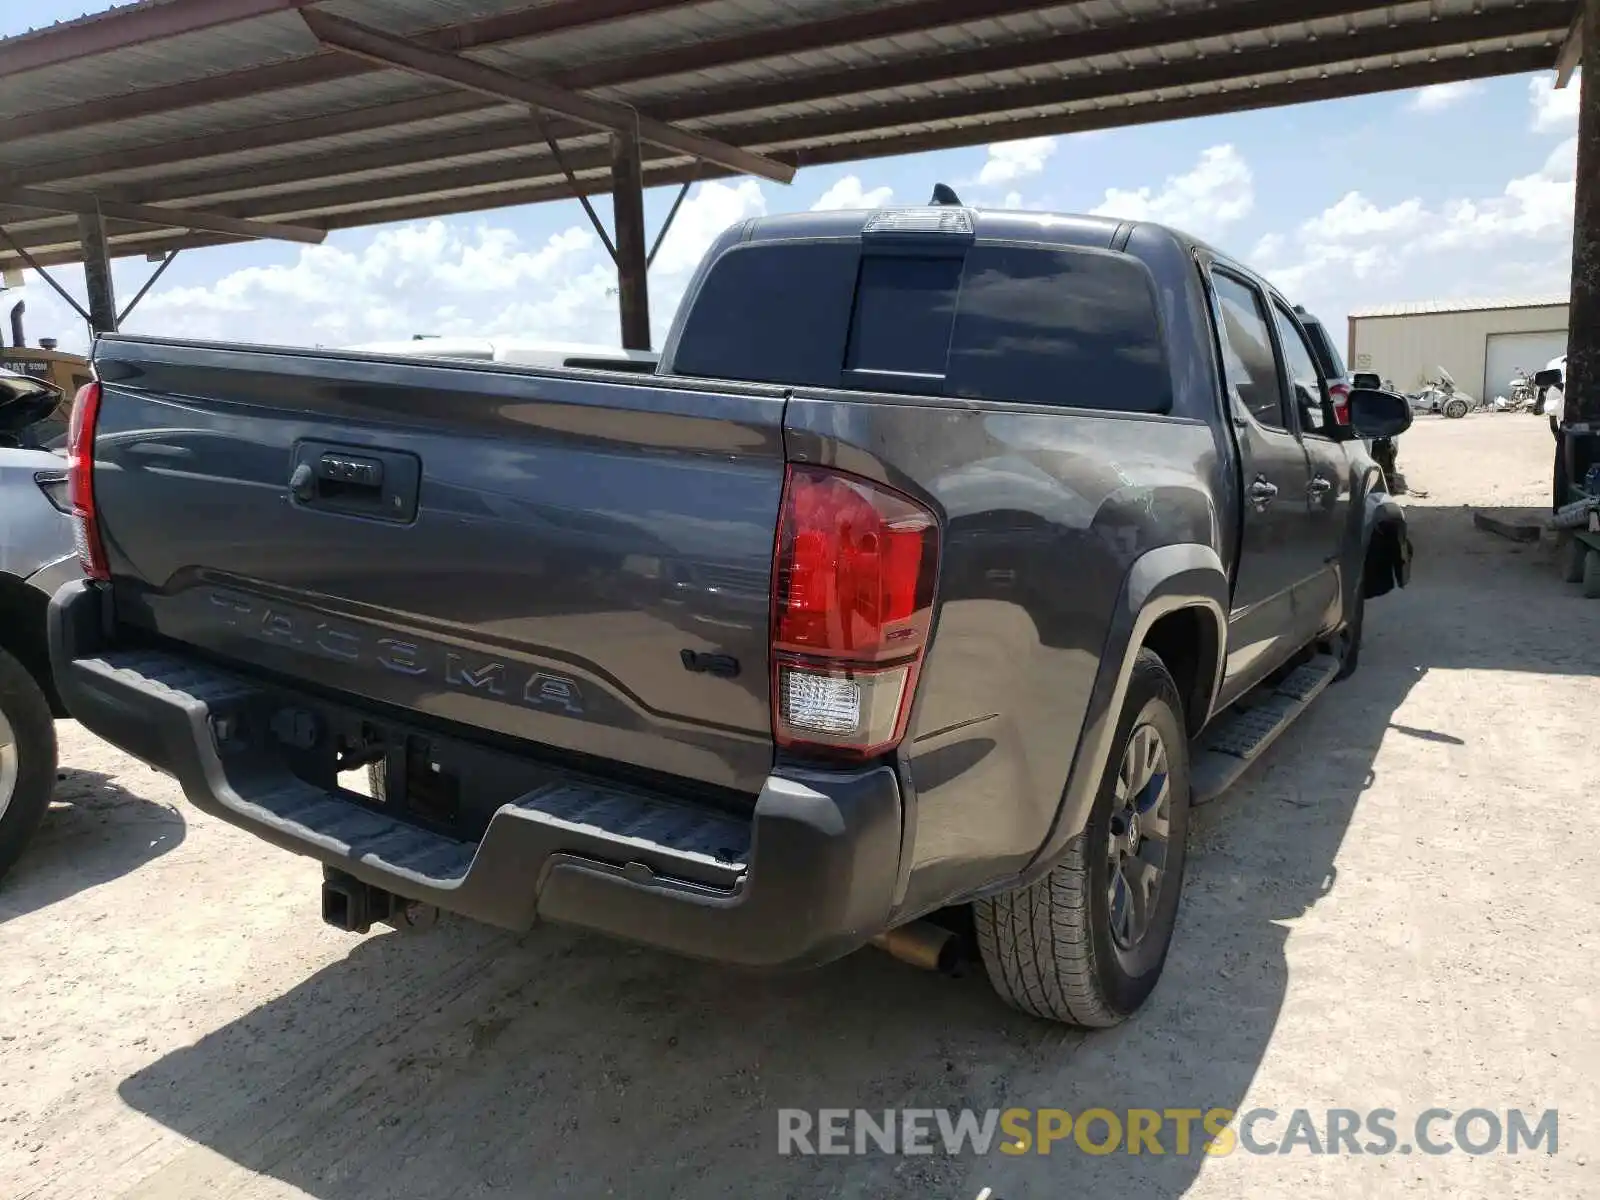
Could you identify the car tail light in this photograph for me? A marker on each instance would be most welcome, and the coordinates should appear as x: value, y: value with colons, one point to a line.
x: 80, y: 481
x: 1340, y: 395
x: 852, y: 601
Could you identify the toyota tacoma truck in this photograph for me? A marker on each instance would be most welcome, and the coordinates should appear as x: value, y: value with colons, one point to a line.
x: 946, y: 560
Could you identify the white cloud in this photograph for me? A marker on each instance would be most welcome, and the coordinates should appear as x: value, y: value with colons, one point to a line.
x: 1355, y: 218
x: 712, y: 208
x: 437, y: 277
x: 849, y: 193
x: 1219, y: 191
x: 1440, y: 96
x: 1269, y: 247
x: 1554, y: 111
x: 1011, y: 161
x: 1355, y: 252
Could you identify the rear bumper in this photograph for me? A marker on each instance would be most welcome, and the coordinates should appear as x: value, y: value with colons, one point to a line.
x: 808, y: 877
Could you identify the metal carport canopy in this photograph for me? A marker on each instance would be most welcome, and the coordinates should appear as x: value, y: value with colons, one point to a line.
x: 236, y: 110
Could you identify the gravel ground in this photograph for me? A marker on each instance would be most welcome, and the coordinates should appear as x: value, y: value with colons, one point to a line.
x: 1396, y: 909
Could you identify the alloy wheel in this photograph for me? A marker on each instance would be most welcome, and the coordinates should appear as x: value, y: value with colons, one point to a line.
x: 1141, y: 822
x: 8, y: 764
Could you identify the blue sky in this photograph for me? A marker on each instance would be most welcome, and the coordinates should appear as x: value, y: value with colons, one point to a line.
x: 1447, y: 192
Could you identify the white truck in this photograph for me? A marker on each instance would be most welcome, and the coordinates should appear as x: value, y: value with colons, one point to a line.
x: 36, y: 557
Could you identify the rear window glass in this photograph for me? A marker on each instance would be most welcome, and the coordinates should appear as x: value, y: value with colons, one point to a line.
x: 1058, y: 327
x: 904, y: 309
x: 1014, y: 323
x: 772, y: 313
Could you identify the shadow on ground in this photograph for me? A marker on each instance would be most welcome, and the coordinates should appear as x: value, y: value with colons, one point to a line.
x: 94, y: 832
x: 467, y: 1063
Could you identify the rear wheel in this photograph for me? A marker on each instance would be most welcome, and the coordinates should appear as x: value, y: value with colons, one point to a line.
x: 27, y: 758
x: 1456, y: 409
x: 1086, y: 944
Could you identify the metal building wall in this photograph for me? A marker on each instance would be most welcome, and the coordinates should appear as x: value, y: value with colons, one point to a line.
x: 1410, y: 349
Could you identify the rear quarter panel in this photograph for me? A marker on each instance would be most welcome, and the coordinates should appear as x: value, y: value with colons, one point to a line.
x: 1044, y: 513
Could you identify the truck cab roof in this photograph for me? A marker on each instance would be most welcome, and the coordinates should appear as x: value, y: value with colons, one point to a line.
x: 994, y: 224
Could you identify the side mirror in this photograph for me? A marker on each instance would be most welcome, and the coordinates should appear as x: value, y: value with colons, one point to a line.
x: 1379, y: 414
x: 1366, y: 379
x: 1547, y: 379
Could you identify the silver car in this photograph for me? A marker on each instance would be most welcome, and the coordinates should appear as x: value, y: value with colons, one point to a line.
x: 36, y: 557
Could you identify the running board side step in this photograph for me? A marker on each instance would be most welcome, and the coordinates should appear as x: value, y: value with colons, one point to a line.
x: 1226, y: 750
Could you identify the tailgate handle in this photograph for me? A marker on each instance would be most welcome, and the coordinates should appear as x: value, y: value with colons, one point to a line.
x: 355, y: 481
x: 351, y: 472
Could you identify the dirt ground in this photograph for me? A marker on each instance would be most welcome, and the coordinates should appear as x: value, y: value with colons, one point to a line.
x: 1397, y: 909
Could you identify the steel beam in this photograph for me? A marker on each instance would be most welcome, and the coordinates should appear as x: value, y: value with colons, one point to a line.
x: 666, y: 226
x: 1072, y: 89
x: 627, y: 206
x: 1000, y: 125
x: 97, y: 273
x: 541, y: 21
x: 561, y: 16
x: 59, y: 253
x: 1583, y: 318
x: 1538, y: 16
x: 1571, y: 52
x: 1252, y: 16
x: 376, y: 46
x: 131, y: 26
x: 155, y: 277
x: 834, y: 84
x: 26, y: 259
x: 161, y: 217
x: 1247, y: 98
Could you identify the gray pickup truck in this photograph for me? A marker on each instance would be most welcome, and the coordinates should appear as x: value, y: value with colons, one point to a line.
x: 947, y: 559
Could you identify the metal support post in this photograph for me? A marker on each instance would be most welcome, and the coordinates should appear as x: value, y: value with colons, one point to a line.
x: 627, y: 201
x: 97, y: 273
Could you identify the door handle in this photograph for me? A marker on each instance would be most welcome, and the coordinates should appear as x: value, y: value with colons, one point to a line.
x: 1262, y: 493
x: 1319, y: 485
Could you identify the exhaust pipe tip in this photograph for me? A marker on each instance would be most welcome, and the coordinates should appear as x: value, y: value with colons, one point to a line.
x: 924, y: 945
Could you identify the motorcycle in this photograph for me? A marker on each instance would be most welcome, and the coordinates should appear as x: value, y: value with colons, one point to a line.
x: 1443, y: 396
x: 1524, y: 394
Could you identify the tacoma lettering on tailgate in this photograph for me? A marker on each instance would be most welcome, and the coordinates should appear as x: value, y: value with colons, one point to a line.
x: 280, y: 625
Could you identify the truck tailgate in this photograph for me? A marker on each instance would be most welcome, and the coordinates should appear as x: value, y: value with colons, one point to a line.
x: 571, y: 560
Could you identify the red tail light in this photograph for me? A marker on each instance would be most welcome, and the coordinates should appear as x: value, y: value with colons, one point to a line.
x: 80, y: 481
x: 1340, y: 395
x: 852, y: 599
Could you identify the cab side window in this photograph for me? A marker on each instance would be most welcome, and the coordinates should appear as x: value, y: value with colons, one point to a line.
x: 1248, y: 361
x: 1305, y: 381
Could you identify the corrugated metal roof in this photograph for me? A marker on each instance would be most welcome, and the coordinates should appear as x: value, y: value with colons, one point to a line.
x: 235, y: 107
x: 1424, y: 308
